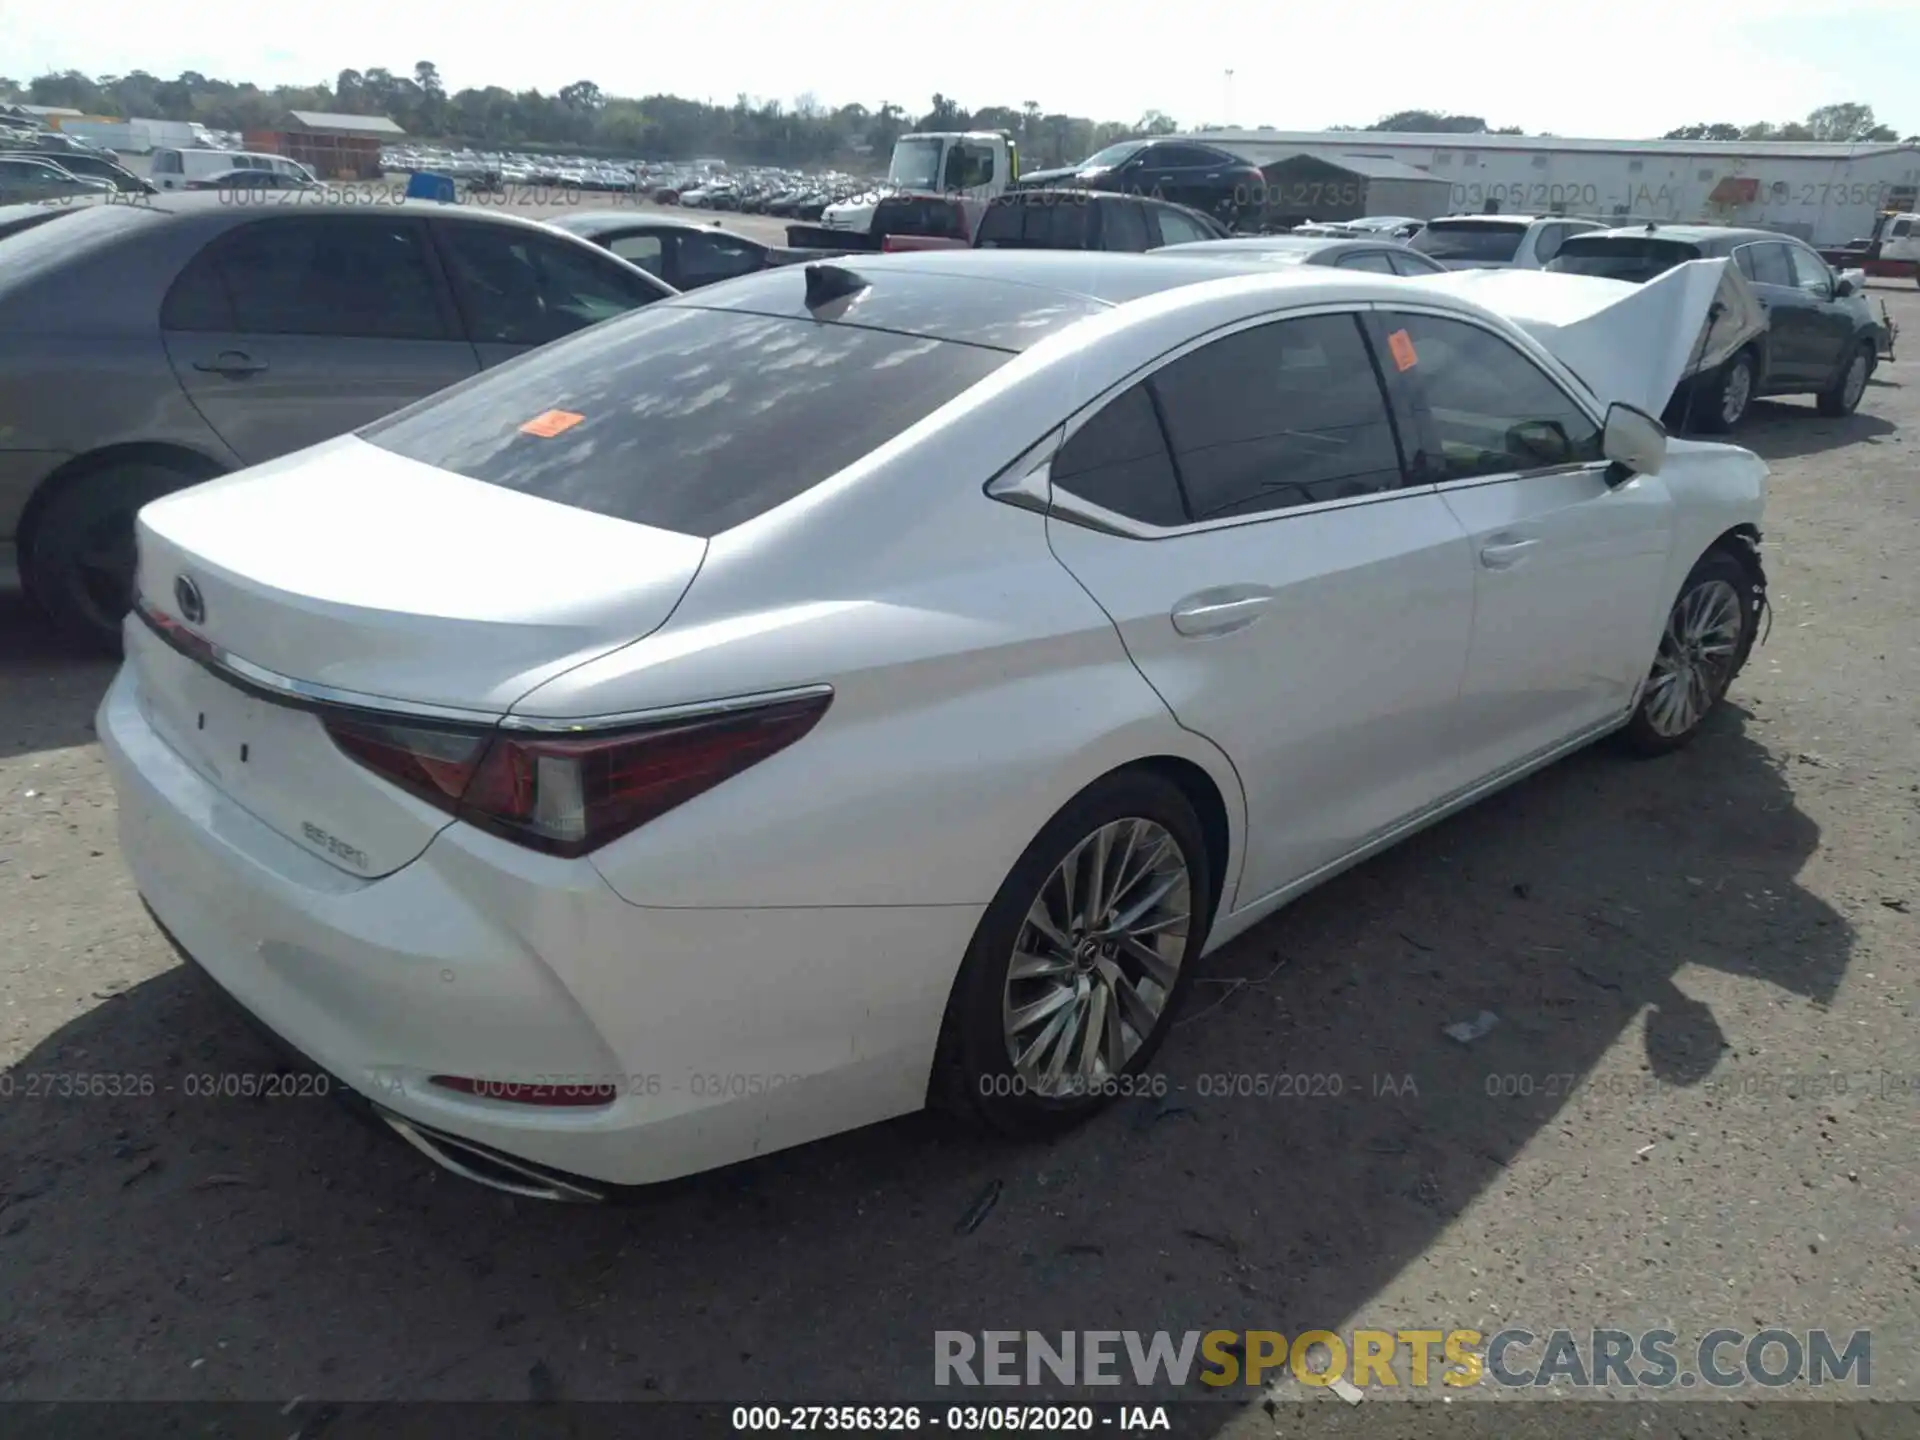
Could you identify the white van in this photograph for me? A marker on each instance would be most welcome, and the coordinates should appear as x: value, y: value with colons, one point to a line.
x: 172, y: 168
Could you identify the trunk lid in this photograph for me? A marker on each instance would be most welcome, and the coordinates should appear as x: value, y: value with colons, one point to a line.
x: 354, y: 569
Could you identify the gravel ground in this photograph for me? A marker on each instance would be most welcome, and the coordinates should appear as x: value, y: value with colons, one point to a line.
x: 1684, y: 937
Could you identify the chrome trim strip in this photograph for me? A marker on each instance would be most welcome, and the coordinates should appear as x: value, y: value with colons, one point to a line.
x: 278, y: 689
x: 663, y: 714
x: 1072, y: 508
x: 435, y: 1145
x: 1474, y: 482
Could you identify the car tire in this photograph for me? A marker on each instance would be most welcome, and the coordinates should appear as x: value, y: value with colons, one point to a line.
x: 1146, y: 831
x: 1844, y: 395
x: 1722, y: 403
x: 78, y: 562
x: 1704, y: 644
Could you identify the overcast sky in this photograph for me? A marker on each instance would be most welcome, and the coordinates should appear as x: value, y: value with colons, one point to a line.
x: 1599, y: 68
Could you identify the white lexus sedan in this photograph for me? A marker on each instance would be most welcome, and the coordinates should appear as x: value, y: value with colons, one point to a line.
x: 882, y: 682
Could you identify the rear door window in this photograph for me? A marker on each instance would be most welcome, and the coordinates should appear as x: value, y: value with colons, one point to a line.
x: 350, y: 275
x: 1375, y: 260
x: 1283, y: 414
x: 687, y: 419
x: 1770, y: 265
x: 519, y: 287
x: 1122, y: 226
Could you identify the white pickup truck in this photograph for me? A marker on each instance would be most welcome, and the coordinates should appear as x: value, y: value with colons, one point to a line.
x: 938, y: 184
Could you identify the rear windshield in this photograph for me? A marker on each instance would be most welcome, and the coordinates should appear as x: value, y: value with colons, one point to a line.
x: 1043, y: 221
x: 686, y: 419
x: 1475, y: 240
x: 1621, y: 257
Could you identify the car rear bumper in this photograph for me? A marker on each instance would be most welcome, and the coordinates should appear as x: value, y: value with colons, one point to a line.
x: 716, y: 1034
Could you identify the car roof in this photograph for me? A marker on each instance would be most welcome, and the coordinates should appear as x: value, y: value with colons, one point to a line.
x: 1687, y: 234
x: 1012, y: 299
x: 1495, y: 219
x: 597, y: 222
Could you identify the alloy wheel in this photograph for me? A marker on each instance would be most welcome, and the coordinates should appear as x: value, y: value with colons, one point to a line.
x: 1736, y: 393
x: 1856, y: 380
x: 1696, y: 659
x: 1097, y: 958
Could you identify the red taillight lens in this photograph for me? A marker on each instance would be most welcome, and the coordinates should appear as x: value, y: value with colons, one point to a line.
x: 568, y: 794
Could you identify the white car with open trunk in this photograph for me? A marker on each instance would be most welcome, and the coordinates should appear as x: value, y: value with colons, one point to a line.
x: 870, y: 682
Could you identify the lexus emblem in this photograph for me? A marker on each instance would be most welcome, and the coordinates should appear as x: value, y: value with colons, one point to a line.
x: 186, y: 594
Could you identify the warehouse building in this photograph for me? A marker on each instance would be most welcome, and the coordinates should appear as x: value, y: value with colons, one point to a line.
x: 1824, y: 193
x: 334, y: 147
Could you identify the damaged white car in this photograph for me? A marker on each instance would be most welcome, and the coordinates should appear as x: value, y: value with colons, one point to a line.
x: 882, y: 681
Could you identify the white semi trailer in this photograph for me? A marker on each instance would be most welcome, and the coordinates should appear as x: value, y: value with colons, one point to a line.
x: 1826, y: 194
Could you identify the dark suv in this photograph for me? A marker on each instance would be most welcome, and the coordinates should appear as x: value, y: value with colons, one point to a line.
x: 1822, y: 337
x: 1089, y: 220
x: 1199, y: 176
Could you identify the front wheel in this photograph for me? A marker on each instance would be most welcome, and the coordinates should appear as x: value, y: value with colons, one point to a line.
x: 1707, y: 637
x: 1724, y: 401
x: 1075, y: 972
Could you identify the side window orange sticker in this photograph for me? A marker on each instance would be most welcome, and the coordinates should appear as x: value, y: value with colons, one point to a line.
x: 1401, y: 344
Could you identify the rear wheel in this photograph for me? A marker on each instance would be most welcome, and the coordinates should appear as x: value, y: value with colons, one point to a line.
x: 79, y: 561
x: 1723, y: 402
x: 1079, y: 963
x: 1708, y: 634
x: 1844, y: 395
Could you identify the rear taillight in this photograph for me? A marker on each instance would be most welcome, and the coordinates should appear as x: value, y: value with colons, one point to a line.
x: 567, y: 794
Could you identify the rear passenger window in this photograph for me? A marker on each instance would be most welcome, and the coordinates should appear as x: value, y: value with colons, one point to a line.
x: 1280, y: 415
x: 1375, y: 260
x: 314, y: 275
x: 1492, y: 410
x: 1118, y: 460
x: 1122, y: 226
x: 1770, y: 265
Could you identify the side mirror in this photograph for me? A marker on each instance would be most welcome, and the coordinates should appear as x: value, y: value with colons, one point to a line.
x: 1634, y: 441
x: 1842, y: 288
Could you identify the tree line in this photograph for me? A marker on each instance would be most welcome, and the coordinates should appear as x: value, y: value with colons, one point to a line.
x: 1849, y: 122
x: 581, y: 118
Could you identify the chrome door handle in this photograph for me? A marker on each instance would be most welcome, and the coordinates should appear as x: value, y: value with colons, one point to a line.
x: 1220, y: 611
x: 1499, y: 554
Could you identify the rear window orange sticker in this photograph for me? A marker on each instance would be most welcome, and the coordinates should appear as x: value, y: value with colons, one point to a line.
x: 551, y: 422
x: 1401, y: 344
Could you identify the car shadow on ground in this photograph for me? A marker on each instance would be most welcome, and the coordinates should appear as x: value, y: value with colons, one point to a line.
x: 1785, y: 430
x: 48, y: 686
x: 181, y: 1244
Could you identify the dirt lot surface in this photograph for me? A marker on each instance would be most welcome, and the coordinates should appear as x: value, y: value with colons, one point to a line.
x: 1721, y: 950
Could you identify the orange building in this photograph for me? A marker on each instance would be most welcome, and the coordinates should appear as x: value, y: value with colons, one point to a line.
x: 334, y: 147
